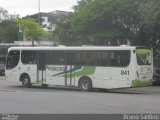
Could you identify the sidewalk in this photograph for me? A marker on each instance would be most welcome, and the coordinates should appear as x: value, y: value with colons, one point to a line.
x: 140, y: 90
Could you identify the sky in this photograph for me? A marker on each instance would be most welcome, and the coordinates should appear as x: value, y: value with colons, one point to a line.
x: 28, y: 7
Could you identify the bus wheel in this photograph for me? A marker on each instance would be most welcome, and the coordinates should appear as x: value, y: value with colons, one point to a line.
x: 26, y: 81
x: 86, y: 84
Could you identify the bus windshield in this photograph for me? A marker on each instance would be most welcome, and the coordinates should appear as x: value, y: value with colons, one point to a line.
x: 143, y: 56
x: 12, y: 59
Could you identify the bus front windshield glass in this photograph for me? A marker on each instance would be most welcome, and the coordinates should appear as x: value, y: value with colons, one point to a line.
x: 144, y: 56
x: 13, y: 59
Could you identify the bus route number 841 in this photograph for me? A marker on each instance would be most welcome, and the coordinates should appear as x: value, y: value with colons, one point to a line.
x: 124, y: 72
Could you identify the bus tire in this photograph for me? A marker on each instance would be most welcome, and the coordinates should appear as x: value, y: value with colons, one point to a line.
x: 26, y: 81
x: 86, y: 84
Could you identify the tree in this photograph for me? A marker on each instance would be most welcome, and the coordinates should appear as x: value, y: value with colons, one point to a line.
x: 107, y: 21
x: 3, y: 14
x: 8, y: 31
x: 48, y: 36
x: 8, y: 27
x: 150, y: 26
x: 64, y: 32
x: 31, y: 29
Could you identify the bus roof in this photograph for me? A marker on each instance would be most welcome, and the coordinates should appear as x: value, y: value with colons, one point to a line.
x: 75, y: 48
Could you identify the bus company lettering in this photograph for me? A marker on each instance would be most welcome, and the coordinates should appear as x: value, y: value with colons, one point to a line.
x: 141, y: 116
x: 57, y: 69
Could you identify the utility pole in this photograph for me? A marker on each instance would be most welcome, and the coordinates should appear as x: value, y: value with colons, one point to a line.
x: 39, y: 13
x: 39, y: 17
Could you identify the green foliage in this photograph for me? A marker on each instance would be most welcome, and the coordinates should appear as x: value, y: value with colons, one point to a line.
x: 150, y: 26
x: 107, y: 20
x: 31, y: 28
x: 8, y: 28
x: 114, y: 22
x: 64, y: 32
x: 3, y: 14
x: 96, y: 22
x: 48, y: 36
x: 8, y: 31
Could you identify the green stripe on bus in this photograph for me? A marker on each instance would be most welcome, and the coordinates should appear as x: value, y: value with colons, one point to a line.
x: 76, y: 71
x: 77, y: 67
x: 87, y: 70
x: 141, y: 83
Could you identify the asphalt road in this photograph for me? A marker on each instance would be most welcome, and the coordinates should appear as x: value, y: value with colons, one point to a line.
x: 36, y: 100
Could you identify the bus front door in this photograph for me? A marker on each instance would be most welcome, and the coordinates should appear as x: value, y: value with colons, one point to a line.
x: 41, y: 69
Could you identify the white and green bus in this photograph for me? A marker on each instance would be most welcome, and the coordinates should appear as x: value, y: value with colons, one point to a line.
x: 83, y: 67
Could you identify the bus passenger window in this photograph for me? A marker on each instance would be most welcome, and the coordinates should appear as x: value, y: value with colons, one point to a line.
x: 119, y: 58
x: 55, y: 58
x: 28, y: 57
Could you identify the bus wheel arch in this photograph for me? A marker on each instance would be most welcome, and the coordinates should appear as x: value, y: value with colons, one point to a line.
x: 25, y: 79
x: 85, y: 83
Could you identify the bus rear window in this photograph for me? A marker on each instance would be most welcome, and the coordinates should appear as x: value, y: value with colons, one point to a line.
x: 144, y: 57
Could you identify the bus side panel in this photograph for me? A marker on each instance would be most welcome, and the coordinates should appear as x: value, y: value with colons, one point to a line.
x: 101, y: 75
x: 109, y: 77
x: 31, y: 70
x: 125, y: 75
x: 121, y: 76
x: 13, y: 74
x: 55, y: 74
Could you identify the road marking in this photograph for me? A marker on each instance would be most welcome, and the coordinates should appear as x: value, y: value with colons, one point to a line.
x: 7, y: 90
